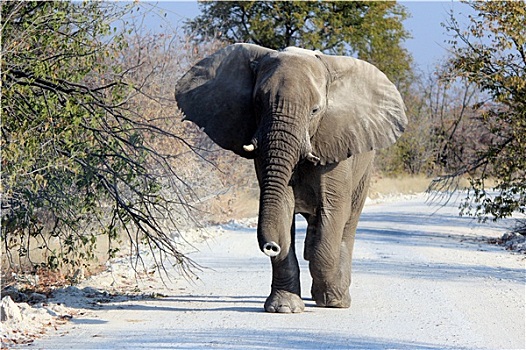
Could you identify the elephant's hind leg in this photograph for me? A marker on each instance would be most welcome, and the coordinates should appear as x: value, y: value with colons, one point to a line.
x: 310, y: 236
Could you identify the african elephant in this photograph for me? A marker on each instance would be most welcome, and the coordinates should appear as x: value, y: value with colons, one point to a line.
x: 312, y: 123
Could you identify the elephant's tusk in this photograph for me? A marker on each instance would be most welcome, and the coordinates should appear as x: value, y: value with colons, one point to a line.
x: 312, y: 158
x: 249, y: 148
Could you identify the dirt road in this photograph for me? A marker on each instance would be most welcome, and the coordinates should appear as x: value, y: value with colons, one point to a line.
x: 420, y: 281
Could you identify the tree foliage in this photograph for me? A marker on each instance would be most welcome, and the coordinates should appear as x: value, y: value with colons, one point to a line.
x: 78, y: 159
x: 372, y: 31
x: 491, y: 54
x: 445, y: 132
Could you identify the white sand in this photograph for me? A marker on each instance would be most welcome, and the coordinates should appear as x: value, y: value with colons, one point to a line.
x: 421, y: 279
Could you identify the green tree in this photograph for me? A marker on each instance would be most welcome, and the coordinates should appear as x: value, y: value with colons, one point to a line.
x: 372, y: 31
x: 444, y: 133
x: 77, y: 159
x: 491, y: 54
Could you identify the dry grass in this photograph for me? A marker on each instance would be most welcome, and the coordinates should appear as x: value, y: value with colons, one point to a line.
x: 390, y: 186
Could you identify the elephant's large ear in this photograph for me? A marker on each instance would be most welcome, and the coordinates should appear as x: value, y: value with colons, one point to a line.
x: 364, y: 111
x: 216, y: 94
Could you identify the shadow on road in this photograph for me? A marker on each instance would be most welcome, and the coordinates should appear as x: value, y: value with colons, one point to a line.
x: 259, y: 339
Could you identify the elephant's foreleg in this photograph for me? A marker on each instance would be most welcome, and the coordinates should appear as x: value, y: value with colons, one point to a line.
x: 331, y: 260
x: 336, y: 294
x: 331, y: 276
x: 285, y: 294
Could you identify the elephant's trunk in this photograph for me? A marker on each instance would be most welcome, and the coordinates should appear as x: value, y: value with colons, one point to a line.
x: 279, y: 153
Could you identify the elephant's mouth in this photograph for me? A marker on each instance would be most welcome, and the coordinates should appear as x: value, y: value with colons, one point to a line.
x: 307, y: 154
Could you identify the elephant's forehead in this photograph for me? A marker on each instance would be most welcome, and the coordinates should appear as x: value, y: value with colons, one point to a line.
x: 293, y: 64
x: 291, y: 59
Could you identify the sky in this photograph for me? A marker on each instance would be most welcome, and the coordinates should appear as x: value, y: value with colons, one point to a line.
x: 427, y: 45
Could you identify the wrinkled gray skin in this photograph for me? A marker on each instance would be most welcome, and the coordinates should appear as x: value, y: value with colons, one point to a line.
x: 311, y: 122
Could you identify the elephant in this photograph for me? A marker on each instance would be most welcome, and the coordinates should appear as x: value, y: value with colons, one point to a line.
x: 312, y: 123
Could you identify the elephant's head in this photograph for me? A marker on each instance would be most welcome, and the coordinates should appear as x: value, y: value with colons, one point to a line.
x: 286, y: 107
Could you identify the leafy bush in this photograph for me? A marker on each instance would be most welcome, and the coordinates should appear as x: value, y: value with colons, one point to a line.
x: 79, y: 156
x: 490, y: 54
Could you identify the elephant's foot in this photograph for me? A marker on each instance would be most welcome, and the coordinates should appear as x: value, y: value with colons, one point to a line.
x: 331, y: 298
x: 281, y: 301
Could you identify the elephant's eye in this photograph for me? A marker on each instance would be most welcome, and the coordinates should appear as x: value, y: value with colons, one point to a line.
x: 315, y: 110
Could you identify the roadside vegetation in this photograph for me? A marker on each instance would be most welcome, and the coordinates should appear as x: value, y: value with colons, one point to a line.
x: 95, y: 161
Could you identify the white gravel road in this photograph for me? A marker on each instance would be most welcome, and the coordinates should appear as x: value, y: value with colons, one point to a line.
x: 421, y: 280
